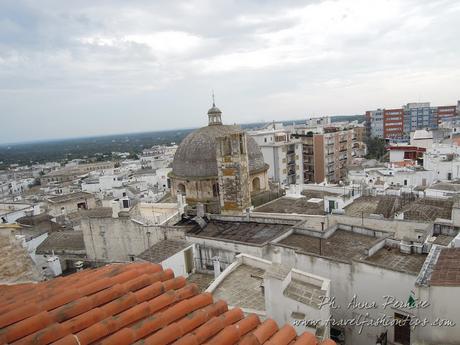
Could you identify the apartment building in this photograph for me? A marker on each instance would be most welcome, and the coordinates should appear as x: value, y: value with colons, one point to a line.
x: 419, y: 115
x: 326, y: 155
x: 393, y: 123
x: 309, y: 154
x: 374, y: 121
x: 446, y: 112
x: 360, y: 132
x: 398, y: 123
x: 282, y: 153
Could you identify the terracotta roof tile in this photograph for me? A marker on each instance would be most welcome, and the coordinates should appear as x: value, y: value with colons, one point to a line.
x: 129, y: 303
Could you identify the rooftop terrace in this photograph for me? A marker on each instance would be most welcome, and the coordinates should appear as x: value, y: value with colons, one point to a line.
x: 419, y: 209
x: 392, y: 258
x: 294, y: 205
x: 427, y: 209
x: 248, y: 295
x: 367, y: 205
x: 446, y: 271
x: 162, y: 250
x: 70, y: 197
x: 342, y: 245
x: 202, y: 280
x: 249, y: 232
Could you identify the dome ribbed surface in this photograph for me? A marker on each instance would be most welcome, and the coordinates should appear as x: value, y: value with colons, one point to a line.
x: 196, y: 155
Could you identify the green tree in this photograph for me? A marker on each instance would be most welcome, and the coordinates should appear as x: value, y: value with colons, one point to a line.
x: 376, y: 148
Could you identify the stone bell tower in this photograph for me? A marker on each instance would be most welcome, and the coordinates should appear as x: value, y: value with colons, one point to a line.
x: 233, y: 173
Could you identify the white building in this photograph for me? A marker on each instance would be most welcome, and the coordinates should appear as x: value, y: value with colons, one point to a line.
x: 159, y: 156
x: 376, y: 117
x: 318, y: 121
x: 10, y: 212
x: 281, y: 153
x: 271, y: 290
x: 439, y: 285
x: 66, y: 204
x: 444, y: 161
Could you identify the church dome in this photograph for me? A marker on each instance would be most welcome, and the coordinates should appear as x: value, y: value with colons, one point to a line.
x: 196, y: 155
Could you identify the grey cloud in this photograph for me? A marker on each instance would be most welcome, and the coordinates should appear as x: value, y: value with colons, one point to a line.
x: 98, y: 67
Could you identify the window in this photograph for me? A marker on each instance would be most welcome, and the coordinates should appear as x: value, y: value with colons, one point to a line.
x: 215, y: 189
x: 227, y: 147
x: 405, y: 182
x: 256, y: 184
x: 181, y: 188
x: 242, y: 138
x: 402, y: 329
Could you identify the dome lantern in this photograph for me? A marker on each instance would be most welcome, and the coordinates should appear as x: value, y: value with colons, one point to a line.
x: 214, y: 114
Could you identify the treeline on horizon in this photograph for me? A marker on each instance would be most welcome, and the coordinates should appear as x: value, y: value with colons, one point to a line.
x: 101, y: 148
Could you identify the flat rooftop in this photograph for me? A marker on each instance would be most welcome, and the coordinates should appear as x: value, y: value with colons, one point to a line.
x: 242, y: 288
x: 293, y: 205
x: 367, y: 205
x: 392, y: 258
x: 98, y: 212
x: 443, y: 240
x: 318, y: 193
x: 427, y: 209
x: 202, y: 280
x: 63, y: 241
x: 304, y: 293
x: 162, y: 250
x: 418, y: 209
x: 342, y: 245
x: 249, y: 232
x: 446, y: 272
x: 70, y: 197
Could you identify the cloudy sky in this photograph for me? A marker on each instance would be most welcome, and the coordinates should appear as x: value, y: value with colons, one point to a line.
x: 86, y: 67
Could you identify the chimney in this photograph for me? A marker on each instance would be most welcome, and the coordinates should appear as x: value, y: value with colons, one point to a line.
x: 200, y: 210
x: 115, y: 208
x: 216, y: 264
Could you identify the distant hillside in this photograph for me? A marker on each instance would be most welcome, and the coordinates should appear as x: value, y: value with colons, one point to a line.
x: 340, y: 118
x: 66, y: 149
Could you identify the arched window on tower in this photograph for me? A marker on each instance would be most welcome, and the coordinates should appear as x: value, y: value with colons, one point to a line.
x: 227, y: 147
x: 256, y: 184
x: 181, y: 188
x: 215, y: 189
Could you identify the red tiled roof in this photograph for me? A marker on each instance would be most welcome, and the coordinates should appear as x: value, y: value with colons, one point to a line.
x: 131, y: 303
